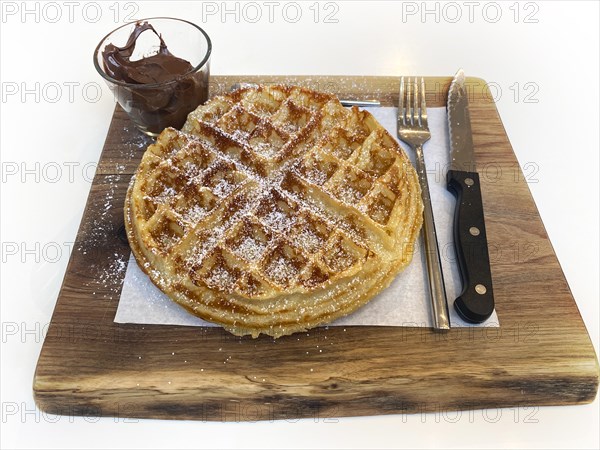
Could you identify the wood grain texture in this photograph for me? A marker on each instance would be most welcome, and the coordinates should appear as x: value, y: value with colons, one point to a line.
x: 541, y: 354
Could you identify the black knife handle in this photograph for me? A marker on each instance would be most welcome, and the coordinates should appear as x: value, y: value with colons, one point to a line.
x: 476, y: 302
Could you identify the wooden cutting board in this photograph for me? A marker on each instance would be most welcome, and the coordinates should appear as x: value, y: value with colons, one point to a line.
x: 540, y: 355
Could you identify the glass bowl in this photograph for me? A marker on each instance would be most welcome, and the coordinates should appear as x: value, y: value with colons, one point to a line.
x: 154, y: 106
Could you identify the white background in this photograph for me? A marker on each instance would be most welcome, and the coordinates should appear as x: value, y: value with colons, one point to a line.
x: 558, y: 134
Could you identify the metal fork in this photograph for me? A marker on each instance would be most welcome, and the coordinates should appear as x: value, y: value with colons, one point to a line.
x: 414, y: 131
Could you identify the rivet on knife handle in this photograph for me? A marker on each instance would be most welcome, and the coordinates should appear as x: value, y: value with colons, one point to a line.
x: 476, y: 302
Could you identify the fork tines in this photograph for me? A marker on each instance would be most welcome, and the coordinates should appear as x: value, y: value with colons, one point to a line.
x: 411, y: 104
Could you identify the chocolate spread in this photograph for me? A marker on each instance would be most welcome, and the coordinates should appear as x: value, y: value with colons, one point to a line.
x: 158, y: 68
x: 154, y: 107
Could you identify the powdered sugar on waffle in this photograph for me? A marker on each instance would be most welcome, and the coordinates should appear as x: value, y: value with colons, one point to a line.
x: 207, y: 217
x: 250, y: 248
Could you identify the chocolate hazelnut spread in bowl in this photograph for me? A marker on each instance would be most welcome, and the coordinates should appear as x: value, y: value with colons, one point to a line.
x: 158, y: 70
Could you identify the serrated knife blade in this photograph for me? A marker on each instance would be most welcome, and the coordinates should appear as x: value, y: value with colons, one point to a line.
x: 459, y: 126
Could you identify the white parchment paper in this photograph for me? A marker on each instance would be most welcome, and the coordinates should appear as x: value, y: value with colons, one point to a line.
x: 404, y: 303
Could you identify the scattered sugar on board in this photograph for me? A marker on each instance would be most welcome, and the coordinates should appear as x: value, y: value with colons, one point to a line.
x: 109, y: 275
x: 134, y: 141
x: 101, y: 227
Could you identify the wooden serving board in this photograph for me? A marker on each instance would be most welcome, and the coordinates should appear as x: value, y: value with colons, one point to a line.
x: 540, y: 355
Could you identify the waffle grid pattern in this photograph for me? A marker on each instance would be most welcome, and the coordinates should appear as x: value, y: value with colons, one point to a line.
x: 266, y: 196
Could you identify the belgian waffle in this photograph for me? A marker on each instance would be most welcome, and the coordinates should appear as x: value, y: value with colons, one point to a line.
x: 274, y: 210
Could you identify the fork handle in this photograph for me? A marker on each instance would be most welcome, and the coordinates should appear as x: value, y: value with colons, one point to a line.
x: 476, y: 302
x: 441, y: 318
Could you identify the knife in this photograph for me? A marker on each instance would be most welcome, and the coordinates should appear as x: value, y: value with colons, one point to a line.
x: 476, y: 301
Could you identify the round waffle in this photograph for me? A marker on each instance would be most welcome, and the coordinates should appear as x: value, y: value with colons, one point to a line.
x: 274, y: 210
